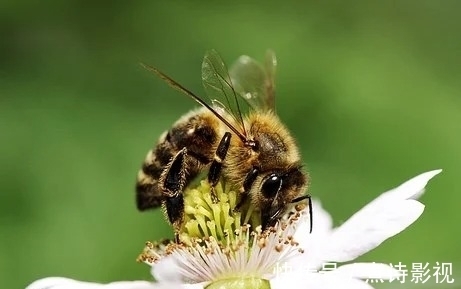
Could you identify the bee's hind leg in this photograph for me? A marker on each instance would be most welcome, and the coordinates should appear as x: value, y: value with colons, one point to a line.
x: 216, y: 165
x: 172, y: 183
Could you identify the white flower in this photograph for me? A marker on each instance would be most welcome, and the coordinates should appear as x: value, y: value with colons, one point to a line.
x: 288, y: 257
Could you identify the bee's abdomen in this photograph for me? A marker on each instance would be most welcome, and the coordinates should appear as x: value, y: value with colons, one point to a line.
x: 195, y: 132
x: 148, y: 192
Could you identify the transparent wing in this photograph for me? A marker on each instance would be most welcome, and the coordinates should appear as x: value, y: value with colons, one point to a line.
x: 255, y: 82
x: 219, y: 88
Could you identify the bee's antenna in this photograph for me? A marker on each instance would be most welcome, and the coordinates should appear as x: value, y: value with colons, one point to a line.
x: 189, y: 93
x: 311, y: 217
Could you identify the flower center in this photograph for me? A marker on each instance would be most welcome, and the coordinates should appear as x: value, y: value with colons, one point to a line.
x: 222, y: 243
x: 222, y: 220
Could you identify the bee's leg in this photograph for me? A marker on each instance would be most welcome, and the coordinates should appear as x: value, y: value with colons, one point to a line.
x: 216, y: 165
x: 247, y: 183
x: 172, y: 183
x: 174, y: 207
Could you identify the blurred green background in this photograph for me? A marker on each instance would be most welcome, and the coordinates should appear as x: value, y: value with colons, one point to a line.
x: 371, y: 90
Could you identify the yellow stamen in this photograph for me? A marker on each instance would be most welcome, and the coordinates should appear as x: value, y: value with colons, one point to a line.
x: 223, y: 244
x: 214, y: 219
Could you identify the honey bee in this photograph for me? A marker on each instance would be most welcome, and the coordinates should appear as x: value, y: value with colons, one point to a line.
x: 236, y: 134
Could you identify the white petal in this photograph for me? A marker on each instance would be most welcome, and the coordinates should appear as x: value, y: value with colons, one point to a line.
x: 195, y: 286
x: 297, y: 279
x: 369, y: 228
x: 140, y: 285
x: 49, y: 282
x: 166, y: 270
x: 368, y: 271
x: 65, y: 283
x: 411, y: 189
x: 386, y: 216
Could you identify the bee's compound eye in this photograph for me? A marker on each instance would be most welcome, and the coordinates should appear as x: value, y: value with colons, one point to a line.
x: 271, y: 186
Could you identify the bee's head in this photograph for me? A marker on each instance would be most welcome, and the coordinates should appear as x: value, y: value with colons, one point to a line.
x: 276, y: 190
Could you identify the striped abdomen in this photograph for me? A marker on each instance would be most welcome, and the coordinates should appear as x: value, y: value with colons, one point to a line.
x: 197, y: 133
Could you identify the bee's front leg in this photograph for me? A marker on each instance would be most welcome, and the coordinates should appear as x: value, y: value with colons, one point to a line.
x: 172, y: 183
x: 216, y: 165
x: 247, y: 183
